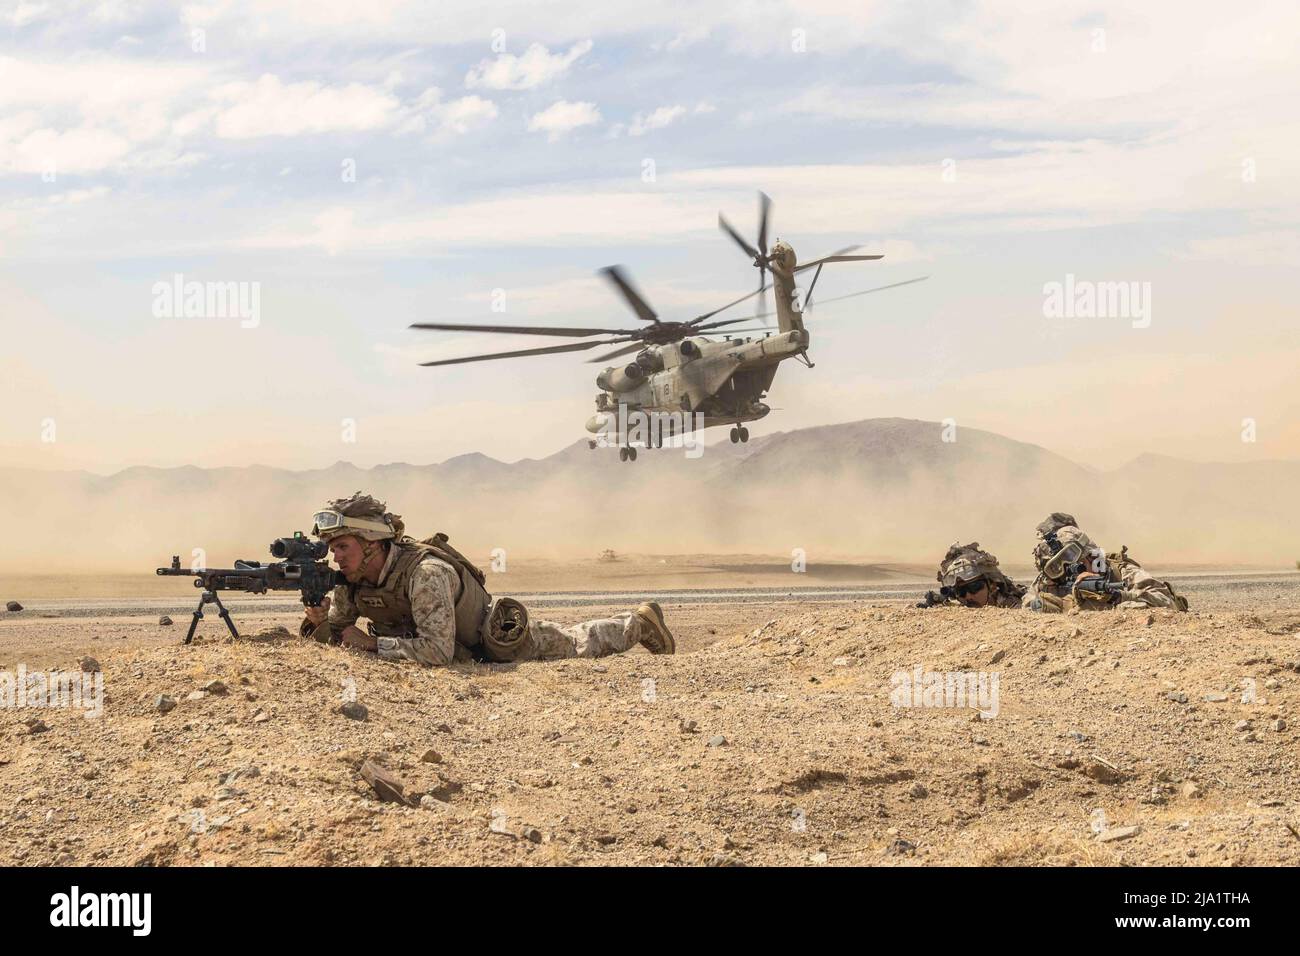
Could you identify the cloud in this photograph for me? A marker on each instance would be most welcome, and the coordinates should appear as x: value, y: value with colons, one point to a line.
x: 688, y: 37
x: 1273, y: 247
x: 50, y: 151
x: 536, y: 67
x: 563, y: 117
x: 97, y: 89
x: 95, y: 113
x: 270, y: 107
x: 582, y: 213
x: 467, y: 113
x: 78, y: 195
x: 88, y: 114
x: 334, y: 228
x: 25, y: 13
x: 1124, y: 71
x: 454, y: 116
x: 116, y: 11
x: 663, y: 116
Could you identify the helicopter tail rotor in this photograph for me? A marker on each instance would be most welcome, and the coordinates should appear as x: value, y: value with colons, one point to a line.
x: 760, y: 257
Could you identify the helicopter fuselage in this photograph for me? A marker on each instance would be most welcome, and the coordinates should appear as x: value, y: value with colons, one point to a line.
x: 718, y: 381
x: 722, y: 380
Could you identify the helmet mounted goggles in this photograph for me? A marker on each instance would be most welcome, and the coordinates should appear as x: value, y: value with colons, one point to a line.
x: 331, y: 522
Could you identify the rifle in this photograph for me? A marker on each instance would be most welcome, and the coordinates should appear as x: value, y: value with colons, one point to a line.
x: 1098, y: 589
x: 938, y: 598
x: 303, y: 567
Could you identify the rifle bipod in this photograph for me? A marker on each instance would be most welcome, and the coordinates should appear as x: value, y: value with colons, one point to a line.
x: 210, y: 597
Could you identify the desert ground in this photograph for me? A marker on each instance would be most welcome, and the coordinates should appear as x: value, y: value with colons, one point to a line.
x: 1123, y: 737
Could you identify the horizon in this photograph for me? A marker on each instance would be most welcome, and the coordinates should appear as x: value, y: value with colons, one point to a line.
x: 581, y: 441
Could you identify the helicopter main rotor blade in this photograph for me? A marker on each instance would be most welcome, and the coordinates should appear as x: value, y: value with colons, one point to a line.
x: 881, y: 288
x: 618, y: 277
x: 721, y: 323
x: 625, y: 350
x: 812, y: 287
x: 726, y: 227
x: 709, y: 315
x: 574, y: 347
x: 519, y: 329
x: 853, y: 295
x: 835, y: 258
x: 764, y: 207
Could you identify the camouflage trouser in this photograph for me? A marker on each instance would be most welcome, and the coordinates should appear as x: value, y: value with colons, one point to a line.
x: 609, y: 635
x: 1142, y: 590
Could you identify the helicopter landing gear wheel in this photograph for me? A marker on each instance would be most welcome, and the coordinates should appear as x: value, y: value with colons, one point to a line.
x: 744, y: 433
x: 622, y: 454
x: 735, y: 435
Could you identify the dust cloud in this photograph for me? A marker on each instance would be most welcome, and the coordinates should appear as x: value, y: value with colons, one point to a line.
x: 883, y: 490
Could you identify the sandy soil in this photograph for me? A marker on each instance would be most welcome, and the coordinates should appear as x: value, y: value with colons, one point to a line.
x: 770, y: 738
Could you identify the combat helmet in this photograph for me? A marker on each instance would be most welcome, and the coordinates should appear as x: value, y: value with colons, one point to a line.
x: 360, y: 515
x: 965, y: 563
x: 1064, y: 550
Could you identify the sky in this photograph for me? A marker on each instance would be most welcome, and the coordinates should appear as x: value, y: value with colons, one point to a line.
x: 361, y: 167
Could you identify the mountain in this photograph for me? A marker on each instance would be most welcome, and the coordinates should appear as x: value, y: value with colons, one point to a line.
x: 884, y: 489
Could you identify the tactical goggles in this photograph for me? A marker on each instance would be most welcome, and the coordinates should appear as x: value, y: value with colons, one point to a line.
x: 1069, y: 554
x: 962, y: 572
x: 324, y: 522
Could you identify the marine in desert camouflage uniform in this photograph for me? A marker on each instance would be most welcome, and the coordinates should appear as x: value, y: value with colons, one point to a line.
x: 1073, y: 571
x: 969, y: 576
x: 425, y: 602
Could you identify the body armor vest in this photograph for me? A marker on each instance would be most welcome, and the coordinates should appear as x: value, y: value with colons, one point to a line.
x: 388, y: 607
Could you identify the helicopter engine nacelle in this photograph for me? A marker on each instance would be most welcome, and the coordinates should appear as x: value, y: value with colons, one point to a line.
x: 621, y: 379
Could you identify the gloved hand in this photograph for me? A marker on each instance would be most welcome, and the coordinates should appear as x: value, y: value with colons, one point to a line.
x: 1046, y: 604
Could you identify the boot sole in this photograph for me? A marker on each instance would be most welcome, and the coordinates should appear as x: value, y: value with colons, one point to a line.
x: 652, y: 614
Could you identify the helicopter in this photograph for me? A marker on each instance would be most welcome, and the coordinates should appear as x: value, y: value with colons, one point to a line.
x: 680, y: 375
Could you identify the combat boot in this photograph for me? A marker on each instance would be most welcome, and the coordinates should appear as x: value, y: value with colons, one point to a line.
x: 655, y: 634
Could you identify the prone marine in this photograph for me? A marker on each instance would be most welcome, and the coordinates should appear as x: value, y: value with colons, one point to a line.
x: 426, y: 602
x: 1073, y: 571
x: 969, y: 576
